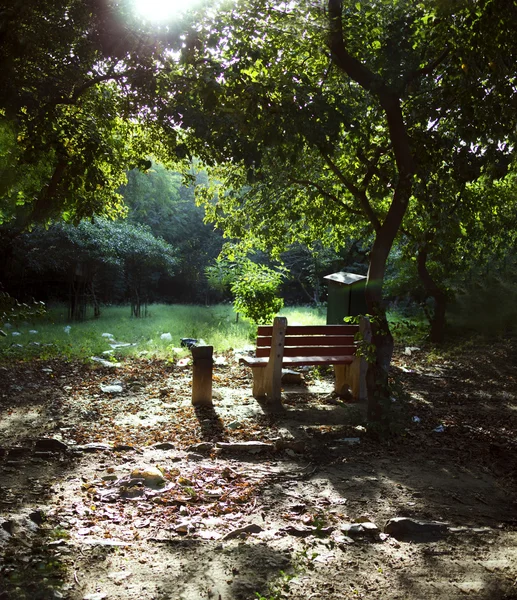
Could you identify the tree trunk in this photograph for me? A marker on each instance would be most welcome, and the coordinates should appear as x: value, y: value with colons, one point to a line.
x: 437, y: 317
x: 377, y: 376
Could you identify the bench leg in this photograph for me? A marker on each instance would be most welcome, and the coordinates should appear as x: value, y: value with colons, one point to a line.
x: 259, y: 382
x: 342, y: 377
x: 352, y: 379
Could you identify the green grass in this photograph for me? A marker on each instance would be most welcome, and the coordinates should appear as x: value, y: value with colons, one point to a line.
x: 216, y: 325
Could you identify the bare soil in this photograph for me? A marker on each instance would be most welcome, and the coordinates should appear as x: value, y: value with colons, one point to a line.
x: 107, y: 494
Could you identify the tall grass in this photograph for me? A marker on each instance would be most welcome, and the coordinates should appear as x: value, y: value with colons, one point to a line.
x: 216, y: 325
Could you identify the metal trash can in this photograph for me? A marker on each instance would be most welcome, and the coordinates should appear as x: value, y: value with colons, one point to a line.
x: 345, y: 296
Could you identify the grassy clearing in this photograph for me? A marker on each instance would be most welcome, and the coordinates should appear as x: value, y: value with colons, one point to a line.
x: 216, y: 325
x: 52, y: 335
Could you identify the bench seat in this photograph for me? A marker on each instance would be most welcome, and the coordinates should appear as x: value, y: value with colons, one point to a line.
x: 299, y: 361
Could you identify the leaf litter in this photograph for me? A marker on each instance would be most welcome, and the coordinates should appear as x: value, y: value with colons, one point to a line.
x: 149, y: 498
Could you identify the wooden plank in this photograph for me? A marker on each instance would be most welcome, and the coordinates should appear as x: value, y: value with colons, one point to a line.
x: 265, y: 351
x: 319, y: 350
x: 319, y: 340
x: 322, y: 329
x: 293, y: 361
x: 310, y: 340
x: 265, y: 330
x: 345, y: 329
x: 253, y: 361
x: 300, y: 361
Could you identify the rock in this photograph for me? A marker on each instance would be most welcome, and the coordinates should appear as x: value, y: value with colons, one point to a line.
x: 251, y: 446
x: 289, y: 376
x: 294, y: 445
x: 404, y: 527
x: 107, y: 335
x: 123, y: 448
x: 251, y: 528
x: 50, y: 445
x: 93, y: 447
x: 163, y: 446
x: 95, y: 596
x: 184, y: 527
x: 37, y: 517
x: 151, y: 476
x: 343, y: 540
x: 18, y: 452
x: 234, y: 425
x: 106, y: 363
x: 115, y: 388
x: 194, y: 456
x: 201, y: 447
x: 166, y: 337
x: 353, y: 529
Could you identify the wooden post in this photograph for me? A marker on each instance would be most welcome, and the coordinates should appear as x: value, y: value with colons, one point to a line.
x: 202, y: 375
x: 273, y: 374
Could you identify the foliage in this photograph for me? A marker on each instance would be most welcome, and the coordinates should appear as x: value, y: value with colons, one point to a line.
x: 254, y: 286
x: 95, y: 258
x: 12, y: 311
x: 74, y: 131
x: 163, y: 201
x: 255, y: 293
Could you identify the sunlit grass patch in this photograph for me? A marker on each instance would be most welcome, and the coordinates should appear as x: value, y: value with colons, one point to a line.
x: 158, y: 334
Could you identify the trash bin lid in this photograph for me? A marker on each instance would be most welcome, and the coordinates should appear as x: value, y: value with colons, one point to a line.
x: 345, y: 278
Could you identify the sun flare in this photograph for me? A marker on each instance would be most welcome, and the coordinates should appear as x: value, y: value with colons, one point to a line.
x: 159, y: 11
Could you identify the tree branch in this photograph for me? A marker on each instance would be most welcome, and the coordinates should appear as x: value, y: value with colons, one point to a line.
x: 323, y: 192
x: 388, y: 98
x: 359, y: 194
x: 427, y: 70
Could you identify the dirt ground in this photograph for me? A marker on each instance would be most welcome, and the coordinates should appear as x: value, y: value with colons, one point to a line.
x: 128, y: 492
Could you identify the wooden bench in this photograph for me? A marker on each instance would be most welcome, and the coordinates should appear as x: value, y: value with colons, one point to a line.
x: 283, y: 345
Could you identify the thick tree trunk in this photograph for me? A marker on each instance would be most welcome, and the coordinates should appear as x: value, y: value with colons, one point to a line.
x: 437, y: 317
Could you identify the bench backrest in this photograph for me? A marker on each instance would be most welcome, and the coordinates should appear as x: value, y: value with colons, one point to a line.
x: 303, y: 340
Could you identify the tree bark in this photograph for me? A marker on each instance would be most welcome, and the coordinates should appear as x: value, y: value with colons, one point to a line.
x: 437, y: 317
x: 377, y: 377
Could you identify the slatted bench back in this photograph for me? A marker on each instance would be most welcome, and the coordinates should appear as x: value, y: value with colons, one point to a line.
x: 310, y: 340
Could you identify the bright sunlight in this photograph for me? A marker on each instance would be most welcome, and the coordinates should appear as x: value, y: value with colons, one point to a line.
x: 160, y: 11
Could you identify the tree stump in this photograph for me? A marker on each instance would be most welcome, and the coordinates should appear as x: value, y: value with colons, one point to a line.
x: 202, y: 375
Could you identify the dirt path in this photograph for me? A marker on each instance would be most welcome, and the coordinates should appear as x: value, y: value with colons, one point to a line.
x: 136, y: 495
